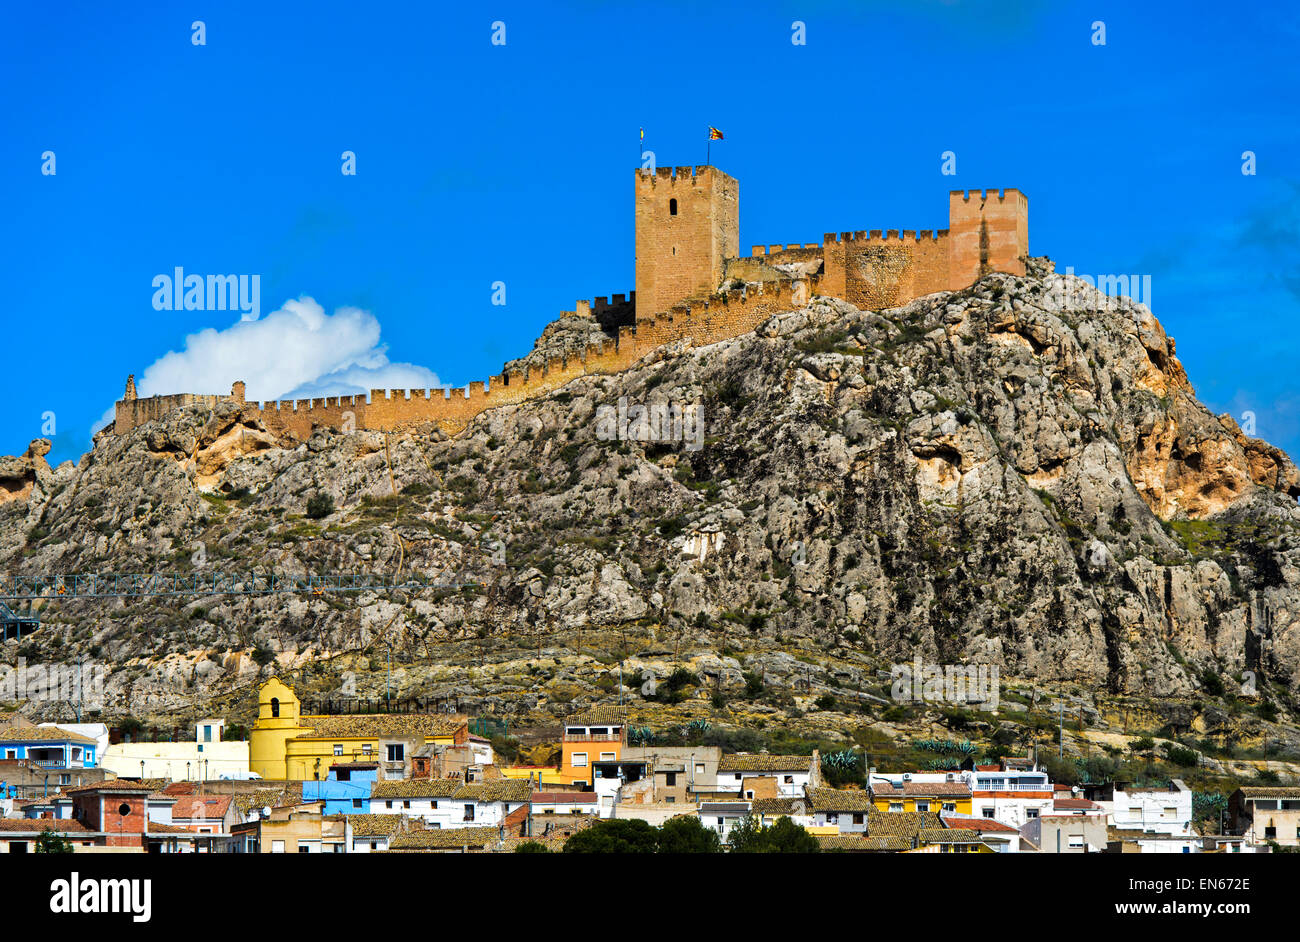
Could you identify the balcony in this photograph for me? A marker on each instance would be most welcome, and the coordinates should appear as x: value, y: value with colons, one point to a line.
x: 593, y: 737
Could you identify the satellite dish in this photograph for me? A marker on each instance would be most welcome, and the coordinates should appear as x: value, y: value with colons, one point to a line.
x: 266, y: 811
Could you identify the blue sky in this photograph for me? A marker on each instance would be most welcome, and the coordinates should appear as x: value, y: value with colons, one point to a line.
x: 478, y: 163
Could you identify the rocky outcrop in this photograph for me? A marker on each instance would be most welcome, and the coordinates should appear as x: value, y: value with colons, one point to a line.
x: 23, y: 475
x: 1018, y: 474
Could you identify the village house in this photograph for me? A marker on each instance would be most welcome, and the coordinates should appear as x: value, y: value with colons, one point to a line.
x: 1266, y: 814
x: 920, y: 791
x: 203, y: 814
x: 459, y: 841
x: 770, y: 810
x: 1165, y: 809
x: 1073, y: 826
x: 723, y: 816
x: 844, y: 809
x: 208, y: 756
x: 998, y: 837
x: 598, y: 735
x: 1012, y: 796
x: 448, y: 803
x: 751, y: 775
x: 347, y: 788
x: 60, y: 757
x: 1137, y: 841
x: 298, y: 829
x: 680, y: 773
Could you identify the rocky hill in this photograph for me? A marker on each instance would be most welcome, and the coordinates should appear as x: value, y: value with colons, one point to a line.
x: 1017, y: 474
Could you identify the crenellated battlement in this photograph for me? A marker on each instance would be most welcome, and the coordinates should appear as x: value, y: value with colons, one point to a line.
x: 687, y: 237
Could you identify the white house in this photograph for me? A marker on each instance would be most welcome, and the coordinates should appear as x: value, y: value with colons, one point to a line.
x: 1012, y: 796
x: 450, y: 803
x: 1162, y: 810
x: 723, y: 816
x: 790, y: 774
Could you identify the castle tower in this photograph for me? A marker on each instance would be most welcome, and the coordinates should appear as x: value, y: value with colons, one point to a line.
x: 130, y: 387
x: 987, y: 232
x: 687, y: 225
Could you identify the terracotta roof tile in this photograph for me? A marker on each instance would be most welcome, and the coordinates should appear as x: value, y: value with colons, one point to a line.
x: 42, y: 734
x: 837, y: 799
x: 380, y: 726
x: 763, y: 762
x: 446, y: 839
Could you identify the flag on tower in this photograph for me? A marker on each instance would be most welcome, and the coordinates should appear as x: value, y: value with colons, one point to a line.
x: 715, y: 134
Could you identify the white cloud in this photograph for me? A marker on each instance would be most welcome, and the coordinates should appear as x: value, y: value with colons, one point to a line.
x: 297, y: 352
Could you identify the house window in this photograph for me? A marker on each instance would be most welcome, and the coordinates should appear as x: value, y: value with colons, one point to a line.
x: 406, y: 804
x: 579, y: 760
x: 672, y: 207
x: 670, y: 779
x: 949, y: 806
x: 988, y: 812
x: 11, y: 754
x: 895, y: 806
x: 922, y: 806
x: 699, y: 768
x: 388, y: 804
x: 207, y: 734
x: 857, y: 819
x: 750, y: 795
x: 367, y: 749
x: 277, y: 847
x: 1029, y: 813
x: 670, y: 799
x: 737, y: 776
x: 345, y: 775
x: 356, y: 802
x: 338, y: 748
x: 396, y: 752
x: 1270, y: 833
x: 65, y: 779
x: 275, y: 711
x: 469, y: 812
x: 1076, y: 840
x: 607, y: 757
x: 789, y: 779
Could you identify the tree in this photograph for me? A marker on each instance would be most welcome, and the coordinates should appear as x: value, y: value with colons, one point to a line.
x: 686, y: 835
x: 614, y: 836
x: 320, y: 505
x: 532, y: 847
x: 783, y: 837
x: 51, y: 842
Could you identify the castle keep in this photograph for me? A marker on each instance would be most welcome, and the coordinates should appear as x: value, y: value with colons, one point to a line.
x: 691, y: 282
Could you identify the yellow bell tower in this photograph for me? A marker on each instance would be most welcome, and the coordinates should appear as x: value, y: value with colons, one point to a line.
x: 277, y: 722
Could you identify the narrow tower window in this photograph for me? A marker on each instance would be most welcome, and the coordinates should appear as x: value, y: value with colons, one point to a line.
x: 672, y: 207
x: 275, y: 706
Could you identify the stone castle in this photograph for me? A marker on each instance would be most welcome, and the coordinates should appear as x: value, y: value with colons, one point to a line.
x: 691, y: 282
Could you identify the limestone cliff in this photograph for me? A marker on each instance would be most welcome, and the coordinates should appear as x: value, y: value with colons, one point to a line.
x: 994, y: 475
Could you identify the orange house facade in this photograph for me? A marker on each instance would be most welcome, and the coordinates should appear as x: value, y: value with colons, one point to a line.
x: 598, y: 735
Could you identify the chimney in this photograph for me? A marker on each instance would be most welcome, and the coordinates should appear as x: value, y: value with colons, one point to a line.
x: 130, y: 387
